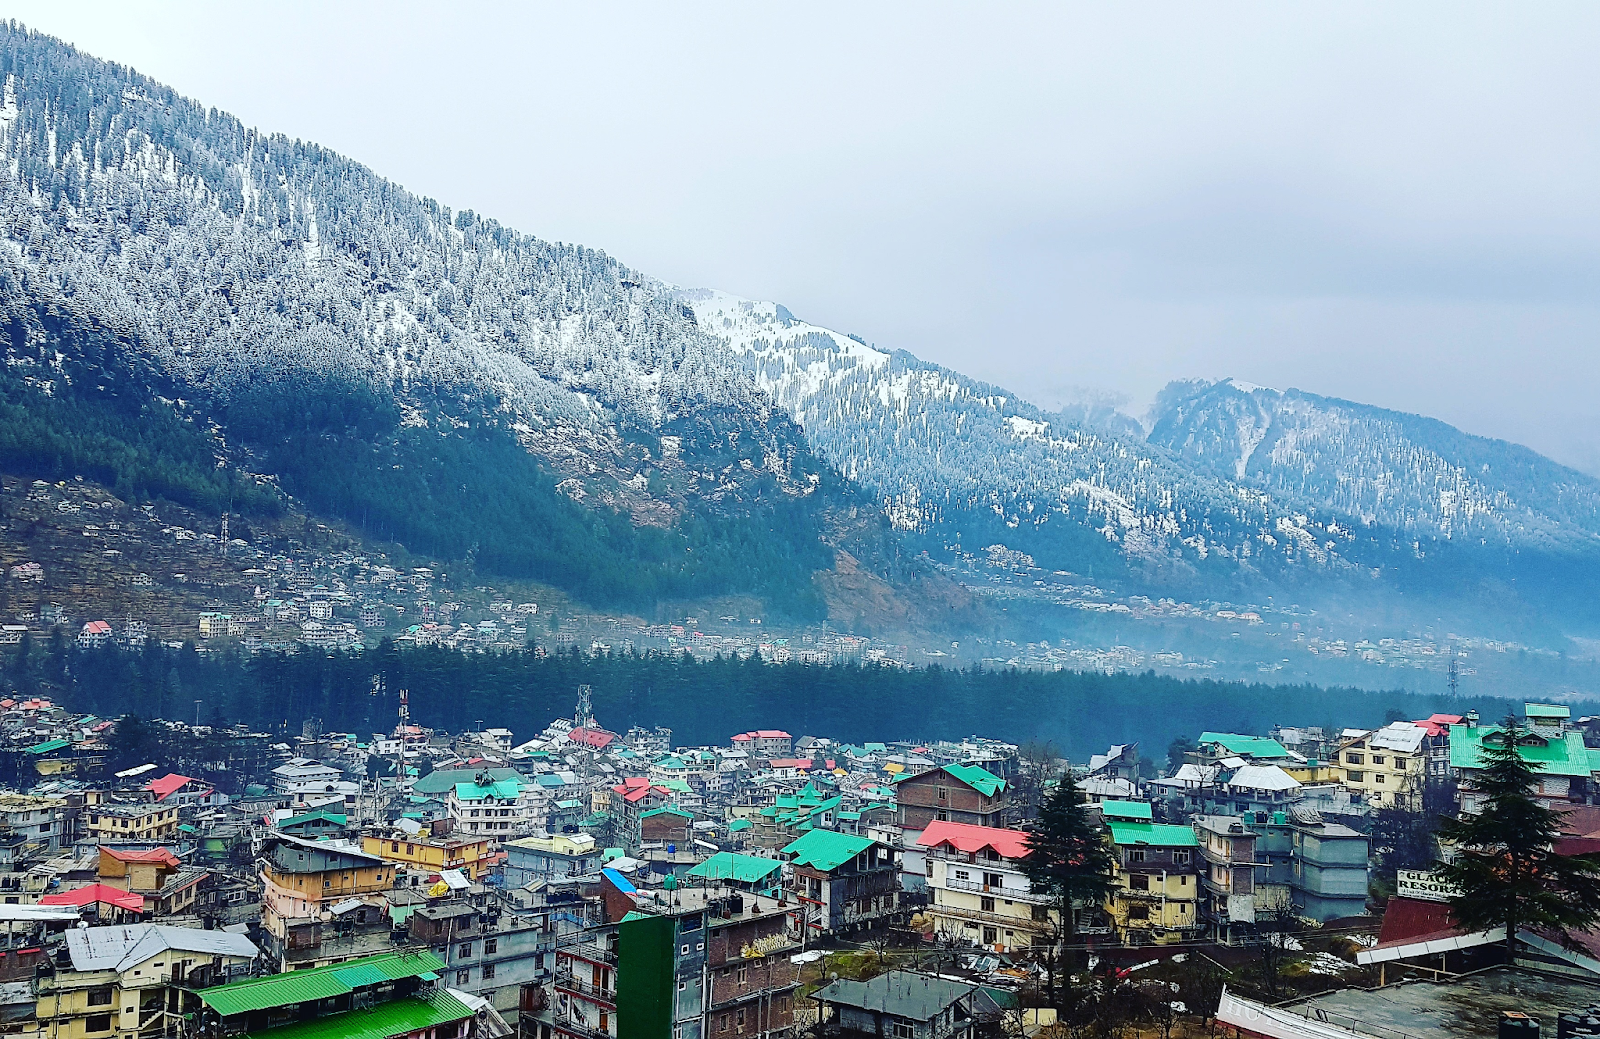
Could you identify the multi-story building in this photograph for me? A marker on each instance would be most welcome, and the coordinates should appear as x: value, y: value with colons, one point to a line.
x: 550, y: 855
x: 495, y: 809
x: 301, y: 881
x: 763, y: 744
x: 845, y: 882
x: 707, y: 962
x: 954, y: 794
x: 1329, y: 868
x: 586, y: 985
x: 136, y: 980
x: 1155, y: 897
x: 792, y: 814
x: 1228, y: 875
x: 474, y: 856
x: 40, y: 821
x: 299, y: 777
x: 491, y: 950
x: 139, y: 823
x: 1565, y: 775
x: 977, y: 890
x: 1436, y: 745
x: 1387, y: 766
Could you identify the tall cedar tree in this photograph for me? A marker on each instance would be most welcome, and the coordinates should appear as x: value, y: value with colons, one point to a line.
x: 1507, y: 871
x: 1067, y: 856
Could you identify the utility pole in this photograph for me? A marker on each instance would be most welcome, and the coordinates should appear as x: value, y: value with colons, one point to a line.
x: 1454, y: 674
x: 197, y: 704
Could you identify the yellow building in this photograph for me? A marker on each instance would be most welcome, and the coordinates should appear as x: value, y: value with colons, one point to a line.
x: 130, y: 980
x: 131, y: 822
x: 977, y: 890
x: 301, y: 882
x: 1157, y: 893
x: 1386, y: 766
x: 474, y: 857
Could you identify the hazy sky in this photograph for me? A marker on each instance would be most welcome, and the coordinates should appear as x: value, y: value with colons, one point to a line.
x: 1399, y: 204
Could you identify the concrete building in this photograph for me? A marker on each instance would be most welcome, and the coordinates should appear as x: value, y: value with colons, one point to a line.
x: 847, y: 882
x: 1155, y: 897
x: 977, y: 890
x: 548, y: 856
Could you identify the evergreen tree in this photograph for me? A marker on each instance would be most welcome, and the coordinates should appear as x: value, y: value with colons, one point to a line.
x: 1067, y: 857
x: 1507, y: 869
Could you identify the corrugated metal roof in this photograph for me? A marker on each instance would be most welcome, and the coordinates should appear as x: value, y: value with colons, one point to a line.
x: 303, y: 986
x: 826, y: 850
x: 397, y: 1017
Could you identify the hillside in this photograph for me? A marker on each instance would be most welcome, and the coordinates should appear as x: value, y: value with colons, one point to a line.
x: 293, y: 324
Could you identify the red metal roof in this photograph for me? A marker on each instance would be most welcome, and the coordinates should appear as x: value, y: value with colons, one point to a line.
x: 1439, y: 724
x: 761, y: 734
x: 599, y: 739
x: 160, y: 855
x: 166, y: 785
x: 92, y: 893
x: 1012, y: 844
x: 1410, y: 920
x: 804, y: 763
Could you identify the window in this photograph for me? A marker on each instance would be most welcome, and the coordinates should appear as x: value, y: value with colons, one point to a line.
x: 1354, y: 759
x: 1180, y: 857
x: 738, y: 1017
x: 463, y: 976
x: 491, y: 945
x: 1139, y: 912
x: 1377, y: 759
x: 944, y: 793
x: 1139, y: 882
x: 904, y: 1030
x: 944, y: 816
x: 722, y: 1024
x: 1377, y: 777
x: 744, y: 972
x: 100, y: 997
x: 1135, y: 854
x: 488, y: 971
x: 97, y: 1023
x: 464, y: 951
x: 1355, y: 777
x: 986, y: 904
x: 683, y: 983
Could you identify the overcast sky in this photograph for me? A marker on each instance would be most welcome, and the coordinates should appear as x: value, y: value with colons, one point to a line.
x: 1396, y: 203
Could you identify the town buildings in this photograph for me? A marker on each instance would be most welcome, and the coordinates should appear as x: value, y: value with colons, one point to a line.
x: 977, y: 890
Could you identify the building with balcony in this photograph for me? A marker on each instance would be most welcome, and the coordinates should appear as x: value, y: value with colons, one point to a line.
x: 487, y: 807
x: 955, y: 794
x: 550, y: 855
x: 585, y: 985
x: 1155, y: 894
x: 1229, y: 874
x: 474, y: 856
x: 844, y: 882
x: 306, y: 885
x: 492, y: 950
x: 1328, y: 866
x: 977, y: 890
x: 136, y: 980
x: 1387, y: 766
x: 109, y: 823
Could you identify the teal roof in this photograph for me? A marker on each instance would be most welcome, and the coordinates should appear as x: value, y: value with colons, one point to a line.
x: 440, y: 781
x: 739, y: 824
x: 1134, y: 810
x: 309, y: 817
x: 1544, y: 710
x: 1159, y: 835
x: 48, y: 746
x: 1563, y: 756
x: 506, y: 789
x: 826, y: 850
x: 980, y: 779
x: 1254, y: 746
x: 666, y: 810
x: 726, y: 865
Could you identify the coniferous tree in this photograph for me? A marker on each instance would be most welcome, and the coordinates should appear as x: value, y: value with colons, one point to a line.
x: 1067, y: 857
x: 1507, y: 869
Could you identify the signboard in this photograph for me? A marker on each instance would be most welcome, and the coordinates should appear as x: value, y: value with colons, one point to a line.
x: 1421, y: 883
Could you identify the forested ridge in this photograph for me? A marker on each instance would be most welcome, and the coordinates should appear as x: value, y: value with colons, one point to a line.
x: 702, y: 702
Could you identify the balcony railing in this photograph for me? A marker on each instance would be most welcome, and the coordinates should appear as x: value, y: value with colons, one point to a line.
x: 1016, y: 923
x: 587, y: 951
x: 581, y: 1030
x: 569, y: 981
x: 1015, y: 894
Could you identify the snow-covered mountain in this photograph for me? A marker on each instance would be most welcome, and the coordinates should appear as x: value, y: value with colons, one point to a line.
x: 1233, y: 485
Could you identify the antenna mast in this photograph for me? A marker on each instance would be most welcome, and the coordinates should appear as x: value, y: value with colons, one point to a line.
x: 1454, y: 673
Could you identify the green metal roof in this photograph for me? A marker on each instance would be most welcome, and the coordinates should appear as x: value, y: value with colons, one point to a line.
x: 48, y: 746
x: 726, y: 865
x: 396, y: 1017
x: 1255, y: 746
x: 1544, y: 710
x: 1563, y: 756
x: 303, y: 986
x: 980, y: 779
x: 826, y: 849
x: 739, y: 824
x: 1133, y: 810
x: 666, y: 810
x: 1159, y: 835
